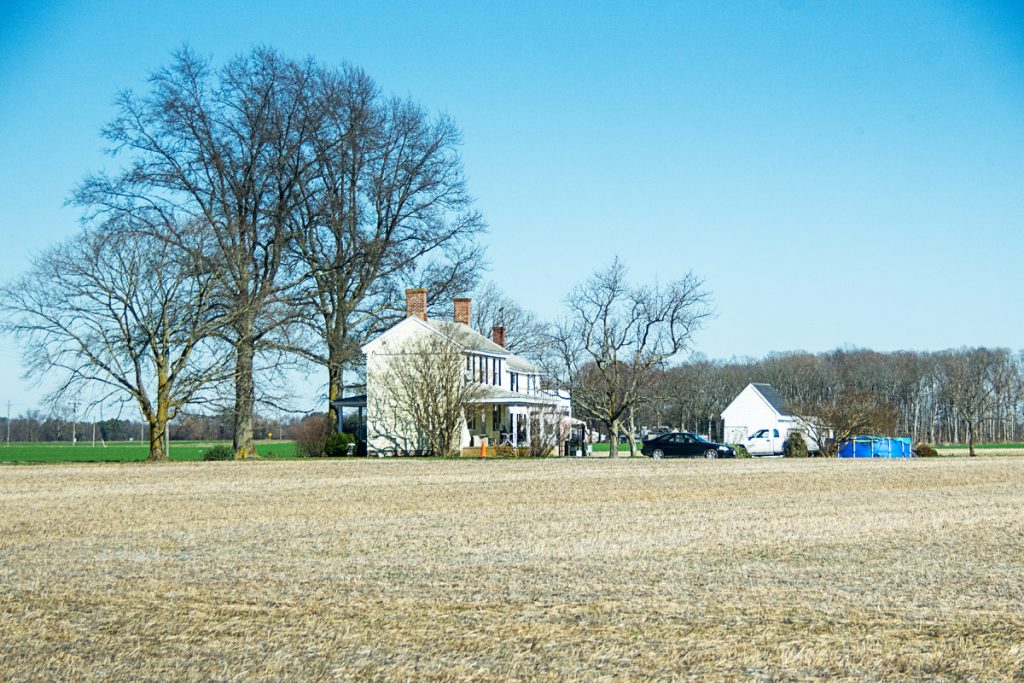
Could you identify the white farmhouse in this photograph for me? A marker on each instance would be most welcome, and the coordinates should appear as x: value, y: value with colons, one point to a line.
x: 509, y: 387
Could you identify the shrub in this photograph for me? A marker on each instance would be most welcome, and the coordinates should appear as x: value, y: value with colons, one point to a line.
x: 311, y: 435
x: 219, y: 453
x: 795, y: 446
x: 923, y: 450
x: 741, y: 451
x: 336, y: 445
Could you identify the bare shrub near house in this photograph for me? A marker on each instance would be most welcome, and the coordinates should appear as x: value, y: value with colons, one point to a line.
x: 311, y: 434
x: 853, y: 412
x: 420, y: 397
x: 549, y: 429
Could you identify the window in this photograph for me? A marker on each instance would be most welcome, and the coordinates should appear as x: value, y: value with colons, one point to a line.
x: 497, y: 372
x: 496, y: 418
x: 513, y: 381
x: 775, y: 433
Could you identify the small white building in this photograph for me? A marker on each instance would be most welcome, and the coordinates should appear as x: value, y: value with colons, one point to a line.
x: 758, y: 406
x: 508, y: 398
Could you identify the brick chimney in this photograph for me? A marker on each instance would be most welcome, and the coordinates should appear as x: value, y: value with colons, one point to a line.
x: 416, y: 303
x: 498, y: 335
x: 462, y: 310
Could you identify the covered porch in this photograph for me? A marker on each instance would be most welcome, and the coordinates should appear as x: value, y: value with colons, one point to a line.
x: 354, y: 420
x: 505, y: 419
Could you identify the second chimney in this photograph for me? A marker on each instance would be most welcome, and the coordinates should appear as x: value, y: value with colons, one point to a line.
x: 416, y: 303
x: 462, y: 309
x: 498, y: 335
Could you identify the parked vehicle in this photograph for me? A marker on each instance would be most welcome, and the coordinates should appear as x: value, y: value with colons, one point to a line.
x: 684, y: 445
x: 771, y: 441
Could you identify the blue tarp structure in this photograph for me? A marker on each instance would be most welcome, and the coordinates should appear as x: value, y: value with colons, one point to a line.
x: 876, y: 447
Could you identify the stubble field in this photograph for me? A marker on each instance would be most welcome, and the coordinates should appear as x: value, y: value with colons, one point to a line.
x: 565, y: 569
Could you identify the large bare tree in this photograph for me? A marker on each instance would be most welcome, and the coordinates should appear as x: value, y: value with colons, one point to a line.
x: 617, y: 335
x: 116, y: 315
x: 386, y: 207
x: 231, y: 150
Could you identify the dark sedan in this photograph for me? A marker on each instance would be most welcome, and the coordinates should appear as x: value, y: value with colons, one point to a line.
x: 684, y: 445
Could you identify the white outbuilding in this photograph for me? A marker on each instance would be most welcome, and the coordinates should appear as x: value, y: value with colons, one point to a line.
x: 758, y: 406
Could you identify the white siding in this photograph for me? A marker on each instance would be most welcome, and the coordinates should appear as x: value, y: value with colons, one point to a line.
x: 748, y: 412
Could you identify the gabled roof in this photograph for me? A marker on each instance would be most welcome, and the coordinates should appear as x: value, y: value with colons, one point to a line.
x: 774, y: 398
x: 466, y: 337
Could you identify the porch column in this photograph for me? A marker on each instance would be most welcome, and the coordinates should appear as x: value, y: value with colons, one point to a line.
x: 528, y: 426
x: 515, y: 429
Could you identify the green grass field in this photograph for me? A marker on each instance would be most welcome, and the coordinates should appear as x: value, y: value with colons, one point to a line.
x: 987, y: 446
x: 127, y: 451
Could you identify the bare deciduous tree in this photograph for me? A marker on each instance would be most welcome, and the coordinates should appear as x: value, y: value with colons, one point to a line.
x: 853, y: 412
x: 121, y: 313
x: 230, y: 151
x: 549, y: 429
x: 419, y: 397
x: 616, y: 335
x: 386, y: 208
x: 975, y: 380
x: 525, y: 334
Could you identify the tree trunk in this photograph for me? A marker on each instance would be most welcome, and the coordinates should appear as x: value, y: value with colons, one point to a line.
x: 613, y: 438
x: 157, y: 431
x: 970, y: 437
x: 632, y: 434
x: 335, y: 388
x: 245, y: 398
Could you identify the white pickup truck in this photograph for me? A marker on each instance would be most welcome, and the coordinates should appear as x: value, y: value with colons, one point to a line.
x: 771, y: 441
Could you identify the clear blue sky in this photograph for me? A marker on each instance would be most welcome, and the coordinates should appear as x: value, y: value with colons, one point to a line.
x: 839, y: 173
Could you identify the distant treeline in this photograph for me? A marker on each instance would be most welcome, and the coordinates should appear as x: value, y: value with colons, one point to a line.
x: 935, y: 394
x: 35, y: 426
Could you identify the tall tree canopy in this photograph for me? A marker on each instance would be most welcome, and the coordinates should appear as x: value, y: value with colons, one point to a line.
x: 387, y: 209
x: 320, y: 196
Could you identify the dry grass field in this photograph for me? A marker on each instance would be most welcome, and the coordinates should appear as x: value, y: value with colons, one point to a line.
x: 594, y: 569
